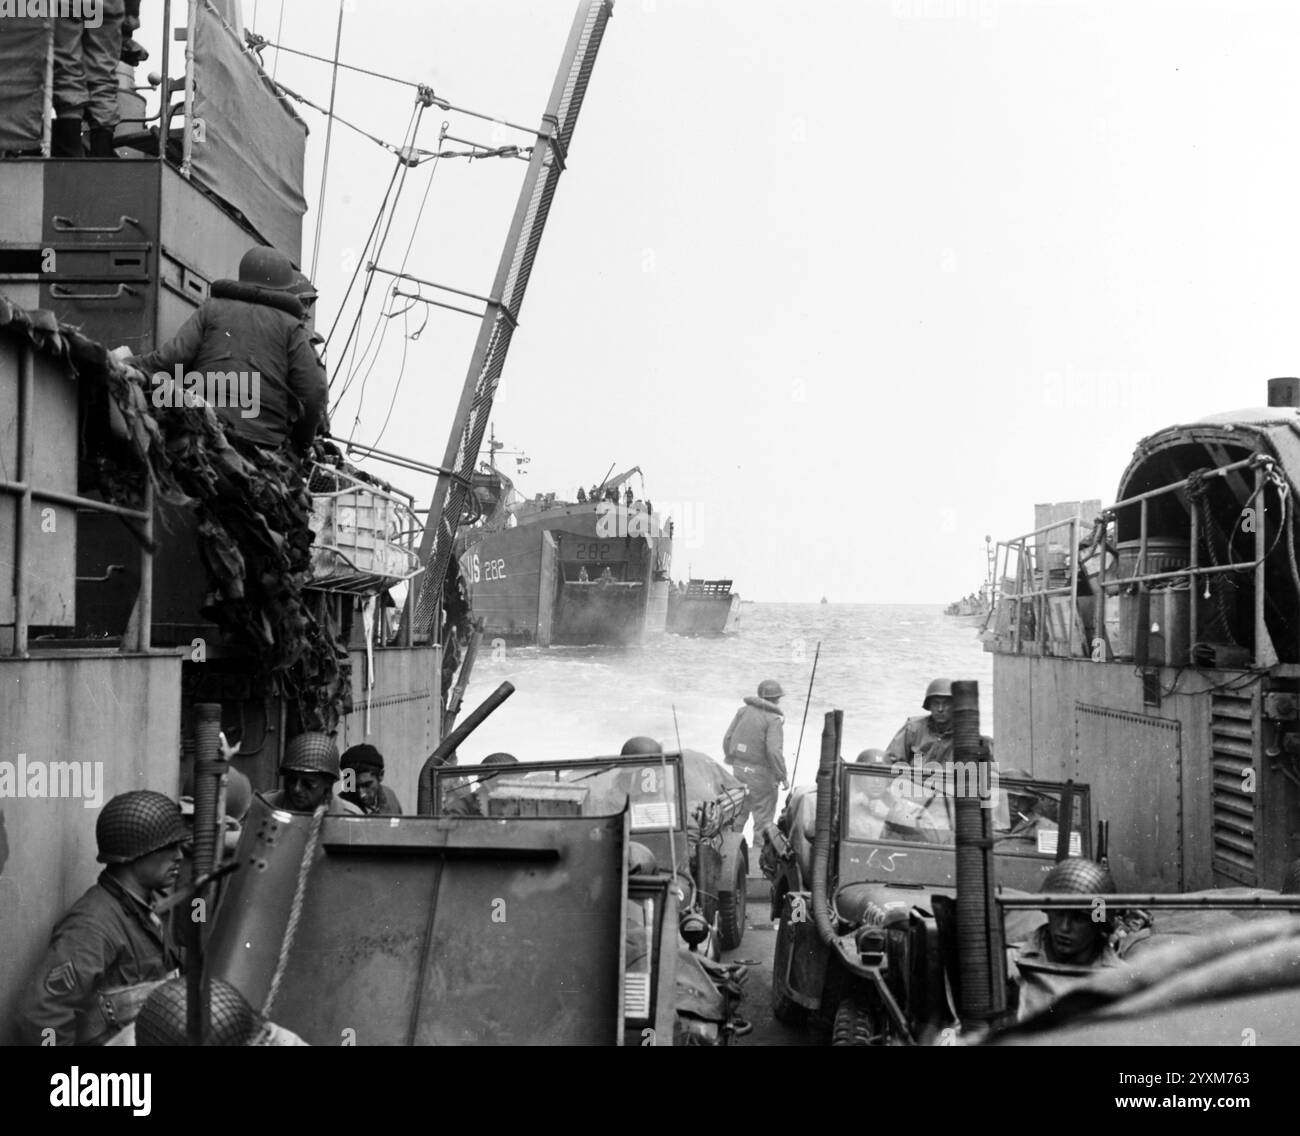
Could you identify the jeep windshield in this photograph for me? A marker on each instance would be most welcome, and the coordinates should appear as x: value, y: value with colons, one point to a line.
x: 648, y: 786
x: 911, y: 815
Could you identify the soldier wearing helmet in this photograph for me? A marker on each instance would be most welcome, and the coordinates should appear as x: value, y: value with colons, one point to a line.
x: 252, y: 326
x: 753, y: 747
x: 1073, y: 943
x: 163, y: 1019
x: 1028, y: 811
x: 310, y: 769
x: 471, y: 799
x: 110, y: 950
x: 928, y: 737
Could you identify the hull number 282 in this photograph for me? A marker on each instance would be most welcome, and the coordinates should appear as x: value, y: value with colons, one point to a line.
x: 488, y: 569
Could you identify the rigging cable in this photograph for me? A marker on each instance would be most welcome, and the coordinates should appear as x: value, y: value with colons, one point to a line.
x: 406, y: 336
x: 368, y: 253
x: 329, y: 135
x: 360, y: 263
x: 279, y: 28
x: 258, y: 43
x: 381, y: 326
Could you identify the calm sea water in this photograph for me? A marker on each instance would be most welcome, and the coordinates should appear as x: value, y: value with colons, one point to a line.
x: 875, y: 663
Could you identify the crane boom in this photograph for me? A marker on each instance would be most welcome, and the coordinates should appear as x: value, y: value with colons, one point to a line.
x: 502, y: 314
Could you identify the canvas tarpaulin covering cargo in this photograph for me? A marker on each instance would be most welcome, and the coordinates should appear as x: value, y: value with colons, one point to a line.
x: 24, y: 48
x: 252, y: 146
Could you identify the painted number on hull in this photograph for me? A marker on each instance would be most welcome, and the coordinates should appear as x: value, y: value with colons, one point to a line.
x: 593, y: 552
x: 491, y: 570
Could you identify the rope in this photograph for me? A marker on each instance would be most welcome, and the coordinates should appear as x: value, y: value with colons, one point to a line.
x: 295, y: 912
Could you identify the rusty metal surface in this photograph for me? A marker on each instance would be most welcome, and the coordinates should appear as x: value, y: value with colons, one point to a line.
x: 519, y: 925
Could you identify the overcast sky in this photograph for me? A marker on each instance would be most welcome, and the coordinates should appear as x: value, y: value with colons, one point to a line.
x: 854, y: 283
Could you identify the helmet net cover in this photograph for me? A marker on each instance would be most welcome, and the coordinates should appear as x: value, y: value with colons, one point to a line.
x: 1077, y: 876
x: 312, y: 752
x: 162, y: 1019
x: 135, y: 824
x: 770, y: 688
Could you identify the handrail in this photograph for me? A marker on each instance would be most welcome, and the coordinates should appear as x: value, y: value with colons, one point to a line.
x: 1107, y: 519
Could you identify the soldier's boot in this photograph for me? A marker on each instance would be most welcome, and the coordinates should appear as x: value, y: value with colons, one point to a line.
x: 101, y: 142
x: 65, y: 138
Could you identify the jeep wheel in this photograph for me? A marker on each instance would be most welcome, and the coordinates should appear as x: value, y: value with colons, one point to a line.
x: 855, y: 1024
x: 732, y: 904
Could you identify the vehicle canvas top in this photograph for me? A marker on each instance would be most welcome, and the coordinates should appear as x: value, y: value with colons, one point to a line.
x: 899, y: 828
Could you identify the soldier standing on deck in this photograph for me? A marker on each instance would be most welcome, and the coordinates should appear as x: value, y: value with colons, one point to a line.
x: 752, y: 746
x: 254, y: 326
x: 110, y: 950
x: 86, y: 54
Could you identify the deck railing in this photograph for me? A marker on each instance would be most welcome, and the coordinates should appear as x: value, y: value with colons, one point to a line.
x: 1032, y: 581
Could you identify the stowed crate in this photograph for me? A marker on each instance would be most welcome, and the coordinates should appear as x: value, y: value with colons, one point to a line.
x: 362, y: 534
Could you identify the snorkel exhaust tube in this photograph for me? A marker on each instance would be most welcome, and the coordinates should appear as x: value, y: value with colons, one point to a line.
x: 981, y: 959
x: 825, y: 812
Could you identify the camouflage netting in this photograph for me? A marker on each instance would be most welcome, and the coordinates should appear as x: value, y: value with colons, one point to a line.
x: 253, y: 511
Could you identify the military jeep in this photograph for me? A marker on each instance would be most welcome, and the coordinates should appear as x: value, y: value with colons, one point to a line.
x: 880, y: 966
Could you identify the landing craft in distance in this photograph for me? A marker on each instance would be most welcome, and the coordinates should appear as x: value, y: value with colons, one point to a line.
x: 824, y: 600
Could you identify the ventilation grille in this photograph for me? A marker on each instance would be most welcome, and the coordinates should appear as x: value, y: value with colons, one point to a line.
x: 1232, y: 761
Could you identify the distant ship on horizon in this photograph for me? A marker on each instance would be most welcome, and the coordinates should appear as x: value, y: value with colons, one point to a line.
x: 825, y: 600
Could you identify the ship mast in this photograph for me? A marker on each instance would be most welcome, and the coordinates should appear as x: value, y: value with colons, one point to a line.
x: 501, y: 316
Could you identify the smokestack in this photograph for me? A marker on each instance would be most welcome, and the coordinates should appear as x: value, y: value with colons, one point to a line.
x: 1284, y: 392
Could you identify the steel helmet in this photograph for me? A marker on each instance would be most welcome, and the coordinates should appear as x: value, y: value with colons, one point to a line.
x: 239, y: 795
x: 268, y: 267
x: 162, y: 1018
x: 769, y: 688
x: 1077, y: 876
x: 303, y: 288
x: 500, y: 759
x: 134, y: 824
x: 312, y: 752
x: 941, y: 687
x: 872, y: 757
x: 641, y: 745
x: 640, y: 860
